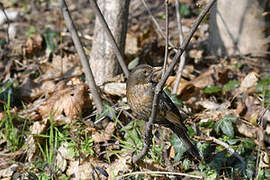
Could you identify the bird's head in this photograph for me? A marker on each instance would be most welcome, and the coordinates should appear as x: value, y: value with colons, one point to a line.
x: 142, y: 74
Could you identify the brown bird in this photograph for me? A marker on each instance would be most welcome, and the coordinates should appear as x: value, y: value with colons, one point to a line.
x: 140, y: 94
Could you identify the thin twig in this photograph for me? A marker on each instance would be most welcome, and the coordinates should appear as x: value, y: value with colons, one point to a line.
x: 160, y: 173
x: 184, y: 45
x: 87, y: 37
x: 228, y: 147
x: 84, y: 61
x: 158, y: 28
x: 166, y: 159
x: 160, y: 85
x: 166, y: 38
x: 183, y: 56
x: 110, y: 37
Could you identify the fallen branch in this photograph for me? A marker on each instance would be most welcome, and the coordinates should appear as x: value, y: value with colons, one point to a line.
x: 226, y: 146
x: 159, y: 173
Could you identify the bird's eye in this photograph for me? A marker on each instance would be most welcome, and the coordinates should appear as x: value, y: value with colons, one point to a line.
x: 145, y: 72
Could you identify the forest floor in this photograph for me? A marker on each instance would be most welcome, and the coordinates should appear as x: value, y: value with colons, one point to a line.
x: 49, y: 127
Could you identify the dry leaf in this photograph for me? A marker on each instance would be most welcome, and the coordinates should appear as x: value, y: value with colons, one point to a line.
x: 38, y: 127
x: 249, y: 81
x: 70, y: 102
x: 34, y: 45
x: 240, y: 107
x: 122, y: 164
x: 214, y: 74
x: 67, y: 66
x: 185, y: 89
x: 2, y: 115
x: 104, y: 135
x: 8, y: 172
x: 253, y: 108
x: 64, y: 151
x: 246, y: 130
x: 29, y: 90
x: 83, y: 169
x: 61, y: 162
x: 212, y: 106
x: 264, y: 160
x: 79, y: 171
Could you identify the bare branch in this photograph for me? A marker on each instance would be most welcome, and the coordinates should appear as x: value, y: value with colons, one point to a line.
x: 166, y: 38
x: 84, y: 61
x: 183, y: 56
x: 158, y: 28
x: 166, y: 159
x: 228, y: 147
x: 160, y: 85
x: 184, y: 45
x: 110, y: 36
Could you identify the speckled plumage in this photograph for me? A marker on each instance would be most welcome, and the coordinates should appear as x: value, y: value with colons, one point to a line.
x: 140, y: 93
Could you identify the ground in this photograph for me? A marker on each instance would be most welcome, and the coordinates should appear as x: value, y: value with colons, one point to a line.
x: 49, y: 127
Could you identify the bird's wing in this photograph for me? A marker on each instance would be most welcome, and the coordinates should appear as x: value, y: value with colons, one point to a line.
x: 171, y: 118
x: 169, y: 110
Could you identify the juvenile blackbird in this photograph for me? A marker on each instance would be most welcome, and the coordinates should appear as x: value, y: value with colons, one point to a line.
x: 140, y: 94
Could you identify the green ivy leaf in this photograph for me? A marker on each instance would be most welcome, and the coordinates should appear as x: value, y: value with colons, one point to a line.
x: 176, y: 101
x: 212, y: 89
x: 226, y: 126
x: 107, y: 111
x: 186, y: 164
x: 207, y: 124
x: 217, y: 125
x: 264, y: 82
x: 178, y: 147
x: 248, y: 143
x: 230, y: 85
x: 218, y: 160
x: 191, y: 131
x: 250, y: 167
x: 174, y: 98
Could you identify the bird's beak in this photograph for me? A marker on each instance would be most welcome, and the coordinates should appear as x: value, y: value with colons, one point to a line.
x: 157, y: 72
x: 156, y: 69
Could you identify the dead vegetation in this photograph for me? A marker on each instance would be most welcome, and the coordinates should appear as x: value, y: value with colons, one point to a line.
x: 50, y: 129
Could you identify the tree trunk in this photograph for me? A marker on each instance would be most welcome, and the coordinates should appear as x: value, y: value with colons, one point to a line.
x: 103, y: 61
x: 237, y: 27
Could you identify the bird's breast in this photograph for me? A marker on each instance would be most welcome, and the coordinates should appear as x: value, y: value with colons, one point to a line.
x: 140, y: 98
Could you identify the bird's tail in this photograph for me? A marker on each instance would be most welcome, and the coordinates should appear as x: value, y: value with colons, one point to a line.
x: 187, y: 142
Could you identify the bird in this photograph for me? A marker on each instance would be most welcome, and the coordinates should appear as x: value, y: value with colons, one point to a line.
x: 140, y: 94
